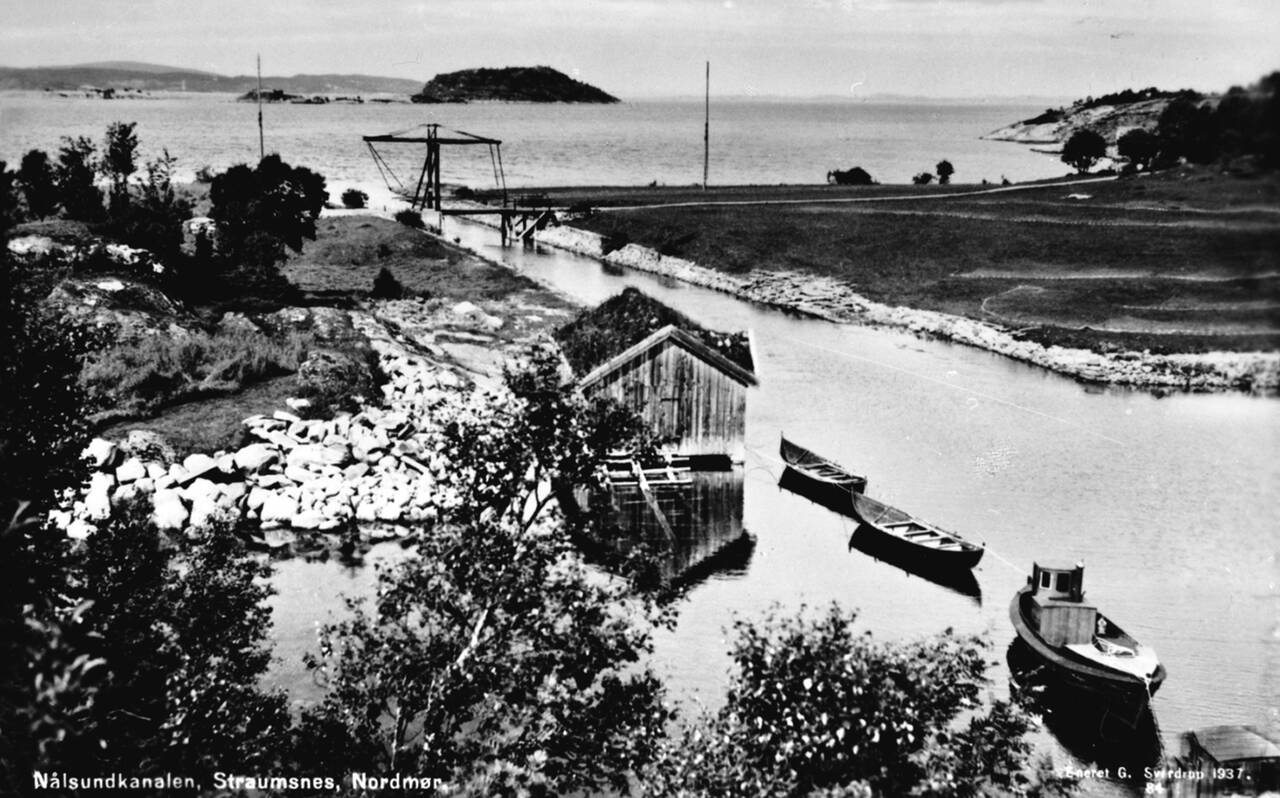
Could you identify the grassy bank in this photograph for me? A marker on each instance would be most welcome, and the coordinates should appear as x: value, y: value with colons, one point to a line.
x: 1177, y: 262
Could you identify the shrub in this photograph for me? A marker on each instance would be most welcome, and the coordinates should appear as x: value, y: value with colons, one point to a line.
x: 1083, y: 149
x: 857, y: 176
x: 410, y: 218
x: 923, y: 179
x: 354, y: 198
x: 205, y: 174
x: 386, y: 286
x: 464, y: 193
x: 118, y: 162
x: 333, y: 379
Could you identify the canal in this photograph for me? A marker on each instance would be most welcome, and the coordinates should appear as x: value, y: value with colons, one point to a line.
x: 1171, y: 503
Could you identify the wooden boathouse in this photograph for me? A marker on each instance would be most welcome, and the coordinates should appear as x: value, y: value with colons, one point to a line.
x: 689, y: 384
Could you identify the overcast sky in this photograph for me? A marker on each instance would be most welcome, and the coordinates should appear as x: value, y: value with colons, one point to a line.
x: 639, y: 48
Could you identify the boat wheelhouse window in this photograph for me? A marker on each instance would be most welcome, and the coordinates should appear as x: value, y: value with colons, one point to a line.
x: 1064, y: 583
x: 1045, y: 578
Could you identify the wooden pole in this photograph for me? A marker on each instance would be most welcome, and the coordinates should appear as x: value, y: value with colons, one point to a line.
x: 262, y: 147
x: 706, y: 131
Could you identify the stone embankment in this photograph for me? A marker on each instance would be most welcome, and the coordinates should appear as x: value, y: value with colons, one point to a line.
x: 379, y: 468
x: 834, y: 300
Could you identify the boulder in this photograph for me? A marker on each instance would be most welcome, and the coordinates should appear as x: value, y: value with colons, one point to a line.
x: 197, y: 465
x: 101, y: 453
x: 308, y: 519
x: 254, y: 457
x: 279, y: 508
x: 169, y: 511
x: 148, y: 446
x: 97, y: 500
x: 131, y: 470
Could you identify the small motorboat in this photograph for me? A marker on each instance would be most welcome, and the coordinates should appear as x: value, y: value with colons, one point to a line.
x: 1083, y: 647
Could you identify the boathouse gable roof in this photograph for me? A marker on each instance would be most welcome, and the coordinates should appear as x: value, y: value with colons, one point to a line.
x: 679, y: 338
x: 631, y: 322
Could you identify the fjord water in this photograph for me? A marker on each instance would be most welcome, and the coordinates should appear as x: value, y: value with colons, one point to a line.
x: 631, y: 143
x: 1171, y: 503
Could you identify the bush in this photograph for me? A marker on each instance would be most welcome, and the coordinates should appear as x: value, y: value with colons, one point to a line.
x: 923, y: 179
x: 857, y: 176
x: 205, y: 174
x: 354, y: 198
x: 410, y: 218
x: 333, y: 379
x: 386, y: 286
x: 1139, y: 147
x: 464, y: 193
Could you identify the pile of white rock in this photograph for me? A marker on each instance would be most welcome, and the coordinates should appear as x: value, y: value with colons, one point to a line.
x: 381, y: 466
x: 834, y: 300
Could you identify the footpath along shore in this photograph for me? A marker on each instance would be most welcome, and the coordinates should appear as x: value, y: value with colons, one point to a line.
x: 833, y: 300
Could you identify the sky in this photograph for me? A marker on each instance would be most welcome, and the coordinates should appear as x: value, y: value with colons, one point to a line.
x: 650, y: 48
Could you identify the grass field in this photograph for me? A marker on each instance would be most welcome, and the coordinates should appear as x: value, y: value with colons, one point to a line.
x: 1180, y: 261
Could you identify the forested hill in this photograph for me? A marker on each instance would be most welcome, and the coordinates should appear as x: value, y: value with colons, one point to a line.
x: 148, y: 77
x: 540, y: 84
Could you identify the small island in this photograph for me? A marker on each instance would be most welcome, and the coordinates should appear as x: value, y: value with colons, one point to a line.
x: 539, y: 84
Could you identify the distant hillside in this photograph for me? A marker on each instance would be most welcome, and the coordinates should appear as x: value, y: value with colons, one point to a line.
x: 1107, y: 115
x: 126, y: 76
x: 538, y: 84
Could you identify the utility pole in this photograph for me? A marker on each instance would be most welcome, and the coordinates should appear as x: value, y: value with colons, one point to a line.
x: 706, y: 131
x: 262, y: 148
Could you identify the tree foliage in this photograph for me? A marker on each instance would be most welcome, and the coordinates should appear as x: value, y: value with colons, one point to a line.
x: 1139, y: 147
x: 945, y: 170
x: 74, y: 175
x: 119, y: 162
x: 261, y: 213
x: 493, y: 658
x: 36, y: 179
x: 814, y: 707
x: 1083, y: 149
x: 923, y: 179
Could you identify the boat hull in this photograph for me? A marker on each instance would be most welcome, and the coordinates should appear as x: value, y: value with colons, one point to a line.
x: 825, y: 482
x: 871, y: 514
x: 894, y: 548
x: 1114, y: 689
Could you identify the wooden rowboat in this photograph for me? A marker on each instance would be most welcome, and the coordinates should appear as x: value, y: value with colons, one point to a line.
x: 824, y: 481
x: 912, y: 539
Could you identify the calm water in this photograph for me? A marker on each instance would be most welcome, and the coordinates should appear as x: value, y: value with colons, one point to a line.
x: 1171, y: 503
x: 629, y: 143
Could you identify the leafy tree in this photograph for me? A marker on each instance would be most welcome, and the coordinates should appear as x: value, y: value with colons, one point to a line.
x: 262, y: 212
x: 945, y: 170
x: 1139, y: 146
x: 493, y: 658
x: 77, y: 166
x: 118, y: 162
x: 923, y: 179
x: 36, y: 179
x: 1083, y: 149
x: 816, y: 708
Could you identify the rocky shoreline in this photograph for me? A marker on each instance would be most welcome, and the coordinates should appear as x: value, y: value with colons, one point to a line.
x: 831, y: 299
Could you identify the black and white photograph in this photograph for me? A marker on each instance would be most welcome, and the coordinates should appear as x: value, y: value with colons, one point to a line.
x: 661, y: 398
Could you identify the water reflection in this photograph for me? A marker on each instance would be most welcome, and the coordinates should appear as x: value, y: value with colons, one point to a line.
x: 1099, y: 735
x: 865, y: 540
x: 685, y: 533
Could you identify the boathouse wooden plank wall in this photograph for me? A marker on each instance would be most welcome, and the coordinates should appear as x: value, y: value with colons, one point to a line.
x: 685, y: 399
